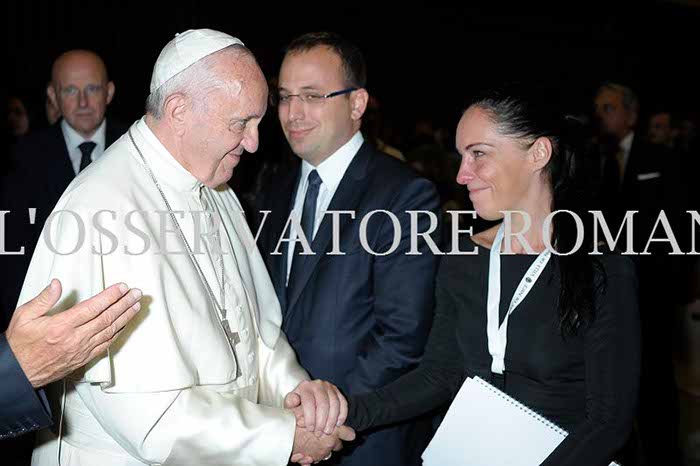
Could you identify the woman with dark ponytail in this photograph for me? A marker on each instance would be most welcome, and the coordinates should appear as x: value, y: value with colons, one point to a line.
x: 572, y: 348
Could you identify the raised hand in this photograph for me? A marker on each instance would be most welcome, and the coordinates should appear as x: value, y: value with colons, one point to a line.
x: 50, y: 347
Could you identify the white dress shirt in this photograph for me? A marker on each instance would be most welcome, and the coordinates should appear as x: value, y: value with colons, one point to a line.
x: 74, y: 139
x: 331, y: 171
x: 626, y: 147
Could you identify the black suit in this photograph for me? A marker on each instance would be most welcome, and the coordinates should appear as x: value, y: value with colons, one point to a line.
x: 40, y: 170
x: 360, y: 320
x: 652, y: 183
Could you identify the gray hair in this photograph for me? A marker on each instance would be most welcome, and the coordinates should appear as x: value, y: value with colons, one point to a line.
x: 193, y: 82
x: 629, y: 99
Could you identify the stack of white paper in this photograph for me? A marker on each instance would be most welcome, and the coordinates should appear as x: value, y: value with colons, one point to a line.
x: 484, y: 426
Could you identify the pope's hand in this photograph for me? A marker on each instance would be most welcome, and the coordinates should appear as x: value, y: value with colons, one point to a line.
x: 318, y: 406
x: 311, y: 449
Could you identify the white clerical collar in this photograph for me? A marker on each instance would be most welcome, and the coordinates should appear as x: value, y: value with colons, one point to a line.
x: 334, y: 167
x: 74, y: 139
x: 165, y: 167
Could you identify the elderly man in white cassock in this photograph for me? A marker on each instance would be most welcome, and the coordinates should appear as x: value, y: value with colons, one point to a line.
x: 203, y: 374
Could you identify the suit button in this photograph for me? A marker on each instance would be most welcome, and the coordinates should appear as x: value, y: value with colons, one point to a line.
x: 244, y: 334
x: 251, y: 358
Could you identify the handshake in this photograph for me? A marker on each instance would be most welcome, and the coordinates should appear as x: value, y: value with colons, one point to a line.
x: 320, y: 410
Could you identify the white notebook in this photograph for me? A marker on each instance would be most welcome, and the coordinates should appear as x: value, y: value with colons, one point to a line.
x: 484, y: 426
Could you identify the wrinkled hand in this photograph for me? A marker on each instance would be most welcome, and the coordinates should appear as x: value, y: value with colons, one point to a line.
x: 50, y: 347
x: 318, y: 406
x: 308, y: 448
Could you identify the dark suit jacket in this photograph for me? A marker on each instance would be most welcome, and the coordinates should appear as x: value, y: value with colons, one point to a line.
x: 653, y: 182
x: 360, y: 320
x: 40, y: 170
x: 22, y: 409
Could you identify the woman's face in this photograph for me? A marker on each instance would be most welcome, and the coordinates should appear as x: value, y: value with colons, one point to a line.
x: 497, y: 169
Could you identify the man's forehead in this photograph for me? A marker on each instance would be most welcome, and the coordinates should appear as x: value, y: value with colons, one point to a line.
x: 609, y: 96
x: 80, y: 77
x: 78, y: 64
x: 311, y: 68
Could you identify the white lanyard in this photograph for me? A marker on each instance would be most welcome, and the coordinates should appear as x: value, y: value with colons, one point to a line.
x: 498, y: 336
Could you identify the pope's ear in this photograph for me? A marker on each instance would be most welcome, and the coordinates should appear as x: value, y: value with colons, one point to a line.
x: 175, y: 112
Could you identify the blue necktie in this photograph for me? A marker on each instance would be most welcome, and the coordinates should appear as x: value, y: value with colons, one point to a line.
x: 308, y: 218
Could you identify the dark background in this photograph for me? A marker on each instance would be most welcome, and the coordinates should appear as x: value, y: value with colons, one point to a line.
x: 423, y: 60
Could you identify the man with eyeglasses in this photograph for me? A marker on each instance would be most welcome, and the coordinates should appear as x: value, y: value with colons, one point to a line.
x: 45, y: 162
x: 359, y: 319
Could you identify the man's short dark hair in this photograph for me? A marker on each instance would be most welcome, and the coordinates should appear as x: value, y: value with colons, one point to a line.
x: 354, y: 67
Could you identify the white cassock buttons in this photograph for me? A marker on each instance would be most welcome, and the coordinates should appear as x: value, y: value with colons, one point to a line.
x: 244, y: 334
x: 251, y: 358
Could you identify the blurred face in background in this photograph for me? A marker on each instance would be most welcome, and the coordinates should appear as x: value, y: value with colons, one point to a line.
x: 17, y: 117
x: 615, y: 119
x: 81, y: 90
x: 660, y: 129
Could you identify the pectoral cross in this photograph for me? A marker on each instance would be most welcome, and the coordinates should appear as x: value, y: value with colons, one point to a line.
x: 233, y: 339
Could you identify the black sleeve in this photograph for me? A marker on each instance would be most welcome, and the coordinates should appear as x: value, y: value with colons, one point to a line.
x: 434, y: 382
x: 612, y: 367
x: 22, y: 409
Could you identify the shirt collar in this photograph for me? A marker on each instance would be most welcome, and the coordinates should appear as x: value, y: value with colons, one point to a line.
x: 164, y: 166
x: 626, y: 143
x: 334, y: 167
x: 74, y: 139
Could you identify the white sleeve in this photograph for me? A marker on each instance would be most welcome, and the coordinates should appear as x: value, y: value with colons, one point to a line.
x: 280, y: 372
x: 193, y: 426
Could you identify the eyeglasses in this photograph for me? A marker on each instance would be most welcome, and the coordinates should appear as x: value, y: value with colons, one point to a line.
x: 311, y: 98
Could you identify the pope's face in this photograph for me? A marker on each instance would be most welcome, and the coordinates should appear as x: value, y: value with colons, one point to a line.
x: 225, y: 122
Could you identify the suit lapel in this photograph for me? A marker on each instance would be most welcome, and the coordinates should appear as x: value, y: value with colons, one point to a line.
x: 346, y: 197
x: 62, y: 173
x: 283, y: 202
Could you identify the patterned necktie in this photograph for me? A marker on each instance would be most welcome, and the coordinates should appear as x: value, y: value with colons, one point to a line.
x: 86, y: 149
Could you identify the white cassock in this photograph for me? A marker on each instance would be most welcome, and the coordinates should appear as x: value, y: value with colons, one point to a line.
x: 167, y: 391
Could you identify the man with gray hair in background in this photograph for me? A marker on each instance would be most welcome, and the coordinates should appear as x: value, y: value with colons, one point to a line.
x: 201, y: 375
x: 637, y: 178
